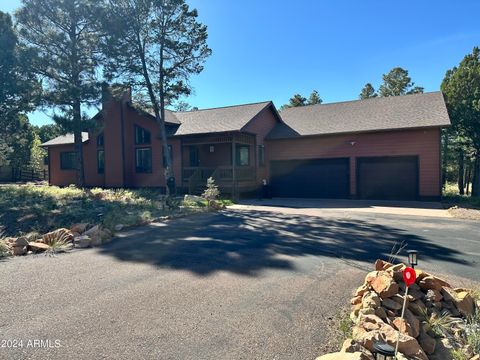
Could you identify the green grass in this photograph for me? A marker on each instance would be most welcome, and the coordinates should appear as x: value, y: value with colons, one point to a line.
x: 42, y: 208
x: 450, y: 197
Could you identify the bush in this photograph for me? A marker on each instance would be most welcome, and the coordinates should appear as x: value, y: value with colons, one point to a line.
x: 211, y: 192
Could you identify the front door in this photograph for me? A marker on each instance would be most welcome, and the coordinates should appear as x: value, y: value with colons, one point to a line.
x: 194, y: 159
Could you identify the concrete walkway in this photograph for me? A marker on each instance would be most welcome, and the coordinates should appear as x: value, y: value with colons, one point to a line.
x: 317, y: 207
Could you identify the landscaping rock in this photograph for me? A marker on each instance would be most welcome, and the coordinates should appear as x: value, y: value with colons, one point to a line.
x: 38, y: 246
x: 382, y: 265
x: 432, y: 282
x: 371, y: 300
x: 20, y: 241
x: 82, y: 241
x: 98, y: 235
x: 464, y: 302
x: 118, y: 227
x: 426, y: 342
x: 79, y: 228
x: 19, y: 250
x: 342, y: 356
x: 384, y: 285
x: 433, y: 296
x: 407, y: 344
x: 362, y: 290
x: 390, y: 304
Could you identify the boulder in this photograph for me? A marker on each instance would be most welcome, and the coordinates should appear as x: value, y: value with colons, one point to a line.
x: 390, y: 304
x: 342, y: 356
x: 443, y: 351
x: 371, y: 300
x: 426, y: 342
x: 382, y: 265
x: 356, y: 300
x: 433, y: 295
x: 413, y: 322
x: 384, y: 285
x: 79, y: 228
x: 38, y: 246
x: 464, y: 302
x: 20, y: 241
x: 417, y: 307
x: 19, y: 250
x: 433, y: 283
x: 118, y: 227
x: 98, y: 235
x: 82, y: 241
x: 381, y: 313
x: 351, y: 346
x: 407, y: 344
x: 362, y: 290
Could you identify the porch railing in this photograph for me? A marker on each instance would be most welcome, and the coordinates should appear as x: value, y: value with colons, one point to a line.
x: 219, y: 173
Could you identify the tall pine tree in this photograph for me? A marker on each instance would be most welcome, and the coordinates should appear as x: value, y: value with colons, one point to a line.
x: 65, y: 36
x: 155, y: 46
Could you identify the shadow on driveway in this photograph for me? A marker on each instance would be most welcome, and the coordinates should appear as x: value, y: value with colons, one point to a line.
x: 246, y: 242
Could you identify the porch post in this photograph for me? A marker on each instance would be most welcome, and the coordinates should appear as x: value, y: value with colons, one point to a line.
x: 234, y: 162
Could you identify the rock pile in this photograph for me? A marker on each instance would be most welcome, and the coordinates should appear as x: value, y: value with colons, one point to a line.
x: 79, y: 235
x: 434, y: 324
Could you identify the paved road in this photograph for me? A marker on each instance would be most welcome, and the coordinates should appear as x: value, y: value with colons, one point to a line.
x: 233, y: 285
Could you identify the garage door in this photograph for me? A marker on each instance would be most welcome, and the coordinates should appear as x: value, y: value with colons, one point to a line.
x: 316, y: 178
x: 390, y: 178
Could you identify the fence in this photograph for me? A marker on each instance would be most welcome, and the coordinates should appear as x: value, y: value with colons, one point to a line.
x: 22, y: 174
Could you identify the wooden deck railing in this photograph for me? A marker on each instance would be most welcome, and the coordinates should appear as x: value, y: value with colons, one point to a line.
x: 219, y: 173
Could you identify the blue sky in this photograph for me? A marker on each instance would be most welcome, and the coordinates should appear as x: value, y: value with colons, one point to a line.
x: 269, y: 50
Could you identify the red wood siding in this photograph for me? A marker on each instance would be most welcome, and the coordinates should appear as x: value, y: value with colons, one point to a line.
x: 261, y: 125
x: 425, y: 143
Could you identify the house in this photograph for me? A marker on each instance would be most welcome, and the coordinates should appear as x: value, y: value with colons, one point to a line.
x: 380, y: 148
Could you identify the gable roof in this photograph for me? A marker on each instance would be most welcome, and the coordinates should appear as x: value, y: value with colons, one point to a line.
x: 64, y: 140
x: 375, y: 114
x: 221, y: 119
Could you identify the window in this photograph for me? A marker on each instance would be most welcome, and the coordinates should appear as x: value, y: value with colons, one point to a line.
x: 143, y: 160
x: 261, y: 155
x: 242, y: 155
x: 142, y: 136
x: 100, y: 161
x: 100, y: 140
x: 67, y: 160
x: 164, y: 157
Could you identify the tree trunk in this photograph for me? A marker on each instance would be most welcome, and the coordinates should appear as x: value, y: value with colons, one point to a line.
x: 77, y: 134
x: 444, y: 158
x: 461, y: 172
x: 468, y: 178
x: 476, y: 176
x: 159, y: 113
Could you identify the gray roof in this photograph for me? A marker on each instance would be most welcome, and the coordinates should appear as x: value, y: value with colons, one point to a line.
x: 376, y: 114
x: 229, y: 118
x: 64, y: 140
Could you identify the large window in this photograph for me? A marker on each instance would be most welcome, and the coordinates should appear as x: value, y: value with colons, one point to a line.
x: 143, y: 160
x: 261, y: 155
x: 100, y: 161
x: 142, y: 136
x: 67, y: 160
x: 164, y: 157
x: 242, y: 155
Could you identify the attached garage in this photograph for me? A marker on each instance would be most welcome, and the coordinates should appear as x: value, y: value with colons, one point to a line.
x: 312, y: 178
x: 389, y: 178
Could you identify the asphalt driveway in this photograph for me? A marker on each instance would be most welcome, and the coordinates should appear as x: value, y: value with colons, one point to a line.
x: 239, y: 284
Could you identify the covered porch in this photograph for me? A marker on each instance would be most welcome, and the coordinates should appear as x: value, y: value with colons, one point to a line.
x: 228, y: 158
